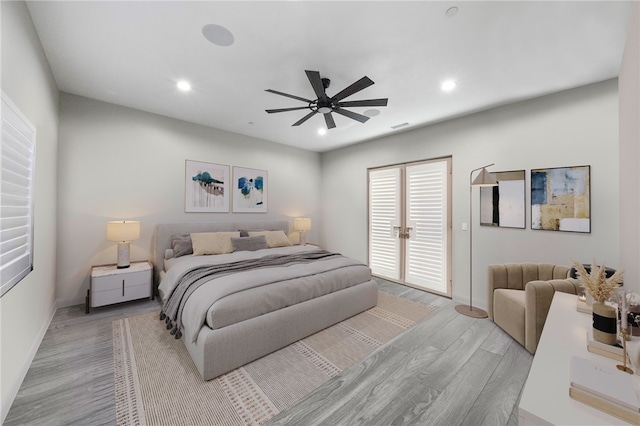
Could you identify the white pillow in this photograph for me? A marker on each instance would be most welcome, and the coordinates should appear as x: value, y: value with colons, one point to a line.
x: 213, y: 242
x: 274, y: 238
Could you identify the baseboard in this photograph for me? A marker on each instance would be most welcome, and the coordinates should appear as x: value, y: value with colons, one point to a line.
x: 65, y: 303
x: 7, y: 400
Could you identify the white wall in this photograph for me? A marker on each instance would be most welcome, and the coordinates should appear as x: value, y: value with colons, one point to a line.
x: 630, y: 156
x: 576, y: 127
x: 27, y: 308
x: 120, y: 163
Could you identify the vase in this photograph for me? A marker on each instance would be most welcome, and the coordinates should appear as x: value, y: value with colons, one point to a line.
x: 604, y: 323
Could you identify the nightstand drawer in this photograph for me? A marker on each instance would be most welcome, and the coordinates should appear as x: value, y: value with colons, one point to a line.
x: 114, y: 282
x: 101, y: 298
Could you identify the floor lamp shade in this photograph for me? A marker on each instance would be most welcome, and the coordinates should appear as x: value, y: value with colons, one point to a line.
x: 484, y: 178
x: 302, y: 225
x: 123, y: 231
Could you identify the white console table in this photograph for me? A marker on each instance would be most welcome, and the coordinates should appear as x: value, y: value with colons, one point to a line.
x: 545, y: 398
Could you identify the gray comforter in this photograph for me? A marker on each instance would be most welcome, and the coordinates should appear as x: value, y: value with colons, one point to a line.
x: 226, y: 297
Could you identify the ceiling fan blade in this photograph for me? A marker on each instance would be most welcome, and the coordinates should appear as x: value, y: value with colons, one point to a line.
x: 364, y: 103
x: 328, y: 118
x: 289, y: 96
x: 354, y: 116
x: 363, y: 83
x: 316, y: 83
x: 305, y: 118
x: 271, y: 111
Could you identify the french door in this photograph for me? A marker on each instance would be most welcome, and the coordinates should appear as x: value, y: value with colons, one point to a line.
x: 410, y: 224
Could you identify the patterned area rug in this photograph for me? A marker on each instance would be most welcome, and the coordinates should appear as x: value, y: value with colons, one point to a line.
x: 158, y: 384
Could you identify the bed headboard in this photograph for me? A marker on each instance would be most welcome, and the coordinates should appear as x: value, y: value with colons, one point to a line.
x: 163, y: 232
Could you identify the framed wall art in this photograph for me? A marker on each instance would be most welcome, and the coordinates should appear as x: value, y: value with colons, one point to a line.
x: 206, y: 187
x: 560, y: 199
x: 504, y: 205
x: 249, y: 190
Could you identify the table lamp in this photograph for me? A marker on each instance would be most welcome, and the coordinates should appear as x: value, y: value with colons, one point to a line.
x: 302, y: 224
x: 123, y: 231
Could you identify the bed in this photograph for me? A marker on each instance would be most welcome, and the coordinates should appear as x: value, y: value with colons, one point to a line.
x: 274, y: 297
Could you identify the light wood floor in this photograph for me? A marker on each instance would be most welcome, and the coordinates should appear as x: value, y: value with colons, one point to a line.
x: 449, y: 369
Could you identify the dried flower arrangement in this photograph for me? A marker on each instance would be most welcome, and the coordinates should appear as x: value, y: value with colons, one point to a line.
x: 596, y: 282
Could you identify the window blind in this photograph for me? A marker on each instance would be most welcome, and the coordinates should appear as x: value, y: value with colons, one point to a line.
x: 16, y: 195
x: 384, y: 214
x: 426, y: 258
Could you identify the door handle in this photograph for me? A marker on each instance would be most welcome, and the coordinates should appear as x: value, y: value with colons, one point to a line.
x: 403, y: 232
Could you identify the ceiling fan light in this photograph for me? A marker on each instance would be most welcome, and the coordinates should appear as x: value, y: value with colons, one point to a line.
x: 324, y: 109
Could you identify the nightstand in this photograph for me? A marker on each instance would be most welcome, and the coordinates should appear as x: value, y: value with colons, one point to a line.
x: 111, y: 285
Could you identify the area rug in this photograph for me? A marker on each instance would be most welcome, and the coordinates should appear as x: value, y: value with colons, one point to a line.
x: 157, y: 383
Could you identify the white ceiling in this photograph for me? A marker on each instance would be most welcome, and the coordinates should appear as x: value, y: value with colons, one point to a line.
x: 132, y: 53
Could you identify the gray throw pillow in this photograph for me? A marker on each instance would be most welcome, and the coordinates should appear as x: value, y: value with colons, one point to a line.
x: 249, y: 243
x: 181, y: 245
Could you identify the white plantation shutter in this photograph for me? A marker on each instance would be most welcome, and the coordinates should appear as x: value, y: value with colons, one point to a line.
x: 426, y: 213
x: 16, y: 196
x: 413, y: 197
x: 384, y: 214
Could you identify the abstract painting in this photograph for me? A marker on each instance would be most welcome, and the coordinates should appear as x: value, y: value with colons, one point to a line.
x: 206, y: 187
x: 249, y: 190
x: 560, y: 199
x: 503, y: 205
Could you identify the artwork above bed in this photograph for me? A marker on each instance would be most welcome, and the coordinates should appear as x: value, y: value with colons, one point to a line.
x: 249, y: 190
x: 206, y: 187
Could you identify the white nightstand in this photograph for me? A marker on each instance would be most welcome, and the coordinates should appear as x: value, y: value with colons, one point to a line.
x: 111, y: 285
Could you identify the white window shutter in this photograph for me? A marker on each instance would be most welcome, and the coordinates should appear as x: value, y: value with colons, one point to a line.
x: 426, y: 213
x: 16, y: 196
x: 384, y: 215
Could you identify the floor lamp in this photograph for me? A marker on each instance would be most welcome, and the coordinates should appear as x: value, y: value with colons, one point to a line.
x: 483, y: 179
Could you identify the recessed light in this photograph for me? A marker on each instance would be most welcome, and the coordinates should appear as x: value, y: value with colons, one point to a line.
x: 184, y: 86
x: 322, y: 131
x: 372, y: 112
x: 448, y: 85
x: 218, y: 35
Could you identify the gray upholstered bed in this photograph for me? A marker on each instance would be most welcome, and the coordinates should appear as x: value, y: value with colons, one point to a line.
x: 256, y: 314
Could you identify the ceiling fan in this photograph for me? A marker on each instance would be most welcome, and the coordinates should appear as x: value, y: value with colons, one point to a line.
x: 326, y: 105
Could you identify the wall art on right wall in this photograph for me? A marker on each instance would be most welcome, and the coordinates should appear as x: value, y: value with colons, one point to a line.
x: 504, y: 205
x: 560, y: 199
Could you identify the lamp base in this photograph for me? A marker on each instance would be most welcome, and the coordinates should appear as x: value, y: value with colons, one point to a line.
x: 123, y: 255
x: 470, y: 311
x: 303, y: 238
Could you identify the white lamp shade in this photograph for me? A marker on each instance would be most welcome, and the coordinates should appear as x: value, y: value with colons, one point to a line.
x: 302, y: 224
x: 123, y: 230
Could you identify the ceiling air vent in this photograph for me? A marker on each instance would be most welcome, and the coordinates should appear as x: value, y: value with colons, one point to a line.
x: 398, y: 126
